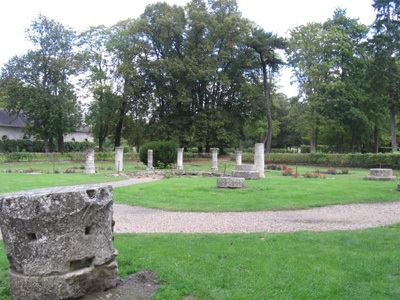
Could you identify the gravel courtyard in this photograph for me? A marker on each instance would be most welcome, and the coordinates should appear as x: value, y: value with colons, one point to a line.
x: 132, y: 219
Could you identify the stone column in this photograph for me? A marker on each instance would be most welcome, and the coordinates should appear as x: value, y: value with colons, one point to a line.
x: 150, y: 160
x: 238, y: 158
x: 134, y: 150
x: 259, y: 159
x: 214, y: 159
x: 89, y: 166
x: 119, y: 159
x: 179, y: 162
x: 59, y: 242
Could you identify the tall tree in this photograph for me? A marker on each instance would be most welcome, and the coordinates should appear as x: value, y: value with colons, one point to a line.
x: 266, y: 44
x: 129, y: 57
x: 38, y: 83
x: 386, y: 41
x: 306, y: 55
x: 102, y: 111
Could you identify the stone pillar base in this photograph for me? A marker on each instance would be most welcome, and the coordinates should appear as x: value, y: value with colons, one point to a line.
x: 381, y: 175
x: 229, y: 182
x: 71, y: 285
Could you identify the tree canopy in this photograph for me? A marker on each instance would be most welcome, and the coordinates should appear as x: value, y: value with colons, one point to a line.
x: 203, y: 76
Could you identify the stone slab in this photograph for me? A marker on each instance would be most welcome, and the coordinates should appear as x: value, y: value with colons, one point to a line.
x: 229, y: 182
x: 381, y: 178
x: 246, y: 168
x: 248, y: 175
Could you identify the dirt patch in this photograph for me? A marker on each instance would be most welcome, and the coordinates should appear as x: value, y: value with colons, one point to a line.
x: 139, y: 286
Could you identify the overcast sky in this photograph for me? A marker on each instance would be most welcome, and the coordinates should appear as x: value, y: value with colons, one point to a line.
x: 272, y: 15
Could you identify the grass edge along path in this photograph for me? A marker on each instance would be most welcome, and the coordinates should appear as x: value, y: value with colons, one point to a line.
x: 274, y: 193
x: 16, y: 182
x: 352, y: 265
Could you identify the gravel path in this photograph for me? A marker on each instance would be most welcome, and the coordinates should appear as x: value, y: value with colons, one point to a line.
x: 131, y: 219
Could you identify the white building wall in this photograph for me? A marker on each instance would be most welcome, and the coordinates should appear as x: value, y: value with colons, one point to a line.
x: 12, y: 133
x: 15, y: 133
x: 78, y: 137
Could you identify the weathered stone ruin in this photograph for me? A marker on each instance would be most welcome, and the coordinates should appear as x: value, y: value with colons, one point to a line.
x: 381, y: 175
x: 214, y: 166
x: 119, y: 159
x: 259, y: 159
x: 179, y: 161
x: 238, y: 158
x: 230, y: 182
x: 246, y: 171
x: 89, y: 166
x: 150, y: 160
x: 59, y: 242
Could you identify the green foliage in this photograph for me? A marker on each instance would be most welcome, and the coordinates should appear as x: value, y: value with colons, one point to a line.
x: 78, y: 146
x: 358, y: 160
x: 320, y: 148
x: 21, y: 145
x: 164, y: 153
x: 37, y: 84
x: 38, y: 146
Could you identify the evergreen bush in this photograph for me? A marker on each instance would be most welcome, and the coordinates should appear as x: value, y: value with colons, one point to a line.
x: 164, y: 153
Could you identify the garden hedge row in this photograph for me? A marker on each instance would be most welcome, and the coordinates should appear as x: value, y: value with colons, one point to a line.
x: 38, y: 146
x: 70, y: 156
x: 355, y: 160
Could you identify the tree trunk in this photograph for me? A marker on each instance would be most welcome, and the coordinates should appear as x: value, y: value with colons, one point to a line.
x: 46, y: 144
x: 60, y: 143
x: 313, y: 141
x: 376, y: 139
x: 200, y: 149
x: 339, y: 143
x: 393, y: 127
x: 51, y: 145
x: 240, y: 145
x: 313, y: 145
x: 353, y: 142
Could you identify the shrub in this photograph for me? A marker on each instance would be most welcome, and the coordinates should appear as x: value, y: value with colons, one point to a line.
x: 38, y: 146
x: 78, y: 146
x: 331, y: 171
x: 164, y: 153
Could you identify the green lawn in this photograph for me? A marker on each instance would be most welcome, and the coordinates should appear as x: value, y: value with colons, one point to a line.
x: 14, y: 182
x: 272, y: 193
x: 362, y: 264
x: 304, y: 265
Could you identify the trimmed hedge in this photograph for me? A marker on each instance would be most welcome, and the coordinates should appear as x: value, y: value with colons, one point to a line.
x: 355, y: 160
x: 164, y: 153
x: 71, y: 156
x: 38, y: 146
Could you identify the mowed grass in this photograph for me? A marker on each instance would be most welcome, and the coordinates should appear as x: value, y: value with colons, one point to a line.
x: 350, y: 265
x: 14, y: 182
x: 272, y: 193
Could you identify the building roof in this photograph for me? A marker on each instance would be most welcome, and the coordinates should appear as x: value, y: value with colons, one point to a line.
x: 7, y: 120
x: 11, y: 121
